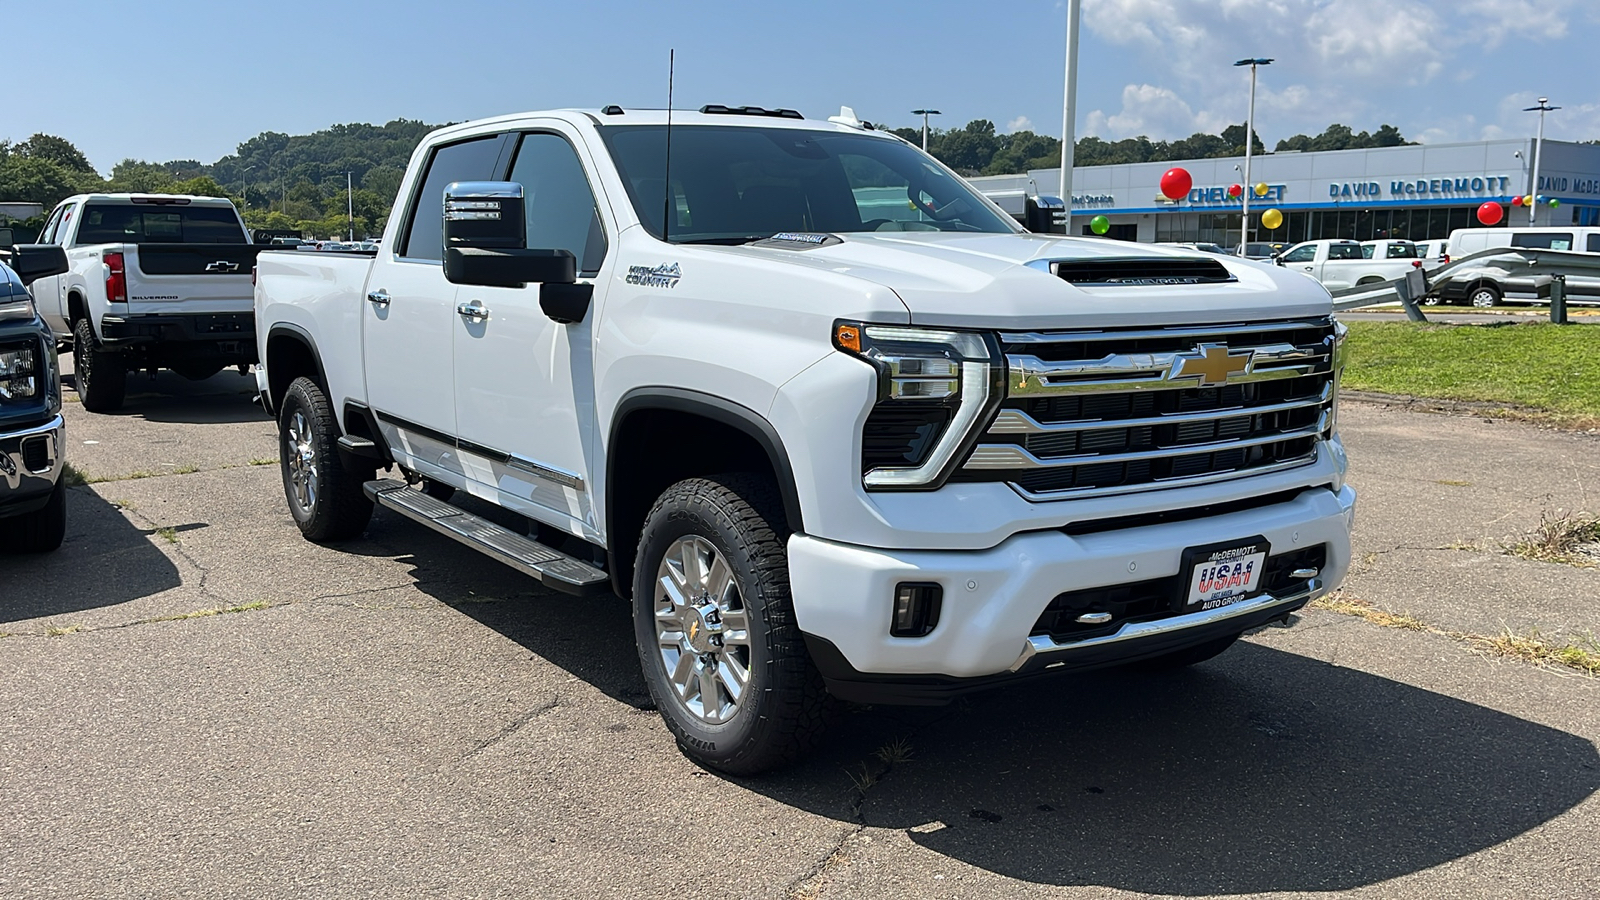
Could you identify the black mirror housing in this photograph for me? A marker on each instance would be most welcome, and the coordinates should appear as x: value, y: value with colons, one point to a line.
x: 7, y: 238
x: 32, y: 262
x: 509, y: 268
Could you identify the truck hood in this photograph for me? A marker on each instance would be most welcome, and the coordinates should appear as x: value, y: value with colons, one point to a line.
x: 985, y: 281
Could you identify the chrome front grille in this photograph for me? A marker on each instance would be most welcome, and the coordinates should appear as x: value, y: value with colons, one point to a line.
x: 1104, y: 412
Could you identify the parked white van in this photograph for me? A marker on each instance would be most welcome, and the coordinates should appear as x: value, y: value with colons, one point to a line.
x: 1467, y: 241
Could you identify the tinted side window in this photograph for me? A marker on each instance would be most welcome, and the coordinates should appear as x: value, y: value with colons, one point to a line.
x: 1594, y: 244
x: 1301, y: 254
x: 1402, y: 251
x: 1346, y: 251
x: 1542, y: 241
x: 467, y: 161
x: 559, y: 205
x: 47, y: 235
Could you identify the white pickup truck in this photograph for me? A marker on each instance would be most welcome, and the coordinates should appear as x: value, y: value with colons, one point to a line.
x: 156, y: 281
x: 1341, y: 264
x: 829, y: 447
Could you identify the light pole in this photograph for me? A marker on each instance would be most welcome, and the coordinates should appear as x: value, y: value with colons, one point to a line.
x: 1249, y: 140
x: 1538, y: 145
x: 244, y: 185
x: 925, y: 113
x: 1069, y: 99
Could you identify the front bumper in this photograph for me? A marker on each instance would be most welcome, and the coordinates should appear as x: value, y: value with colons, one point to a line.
x: 30, y: 465
x: 844, y: 594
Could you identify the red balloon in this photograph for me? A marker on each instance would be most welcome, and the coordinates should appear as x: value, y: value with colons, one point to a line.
x: 1490, y: 213
x: 1516, y: 201
x: 1235, y: 190
x: 1175, y: 184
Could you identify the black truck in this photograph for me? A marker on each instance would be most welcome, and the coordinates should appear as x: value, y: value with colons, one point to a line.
x: 33, y: 505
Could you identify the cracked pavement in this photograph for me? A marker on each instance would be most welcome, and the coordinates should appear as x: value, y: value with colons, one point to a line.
x: 400, y: 717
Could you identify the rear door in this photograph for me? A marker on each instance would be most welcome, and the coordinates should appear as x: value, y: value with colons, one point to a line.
x: 524, y: 385
x: 409, y: 317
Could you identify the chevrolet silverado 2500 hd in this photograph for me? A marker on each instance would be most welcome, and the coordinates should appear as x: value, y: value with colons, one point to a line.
x: 834, y: 423
x: 33, y: 498
x: 156, y: 281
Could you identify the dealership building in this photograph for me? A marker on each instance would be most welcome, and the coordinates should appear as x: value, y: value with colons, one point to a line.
x: 1417, y: 192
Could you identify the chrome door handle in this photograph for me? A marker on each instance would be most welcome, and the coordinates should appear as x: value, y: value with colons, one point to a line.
x: 380, y: 297
x: 473, y: 310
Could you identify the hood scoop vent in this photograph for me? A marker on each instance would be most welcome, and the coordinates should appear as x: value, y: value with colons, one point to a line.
x: 1135, y: 271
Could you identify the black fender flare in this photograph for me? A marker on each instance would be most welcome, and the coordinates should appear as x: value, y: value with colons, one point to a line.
x: 289, y: 329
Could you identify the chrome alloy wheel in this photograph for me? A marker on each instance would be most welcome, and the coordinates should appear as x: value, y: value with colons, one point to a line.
x: 301, y: 455
x: 702, y: 629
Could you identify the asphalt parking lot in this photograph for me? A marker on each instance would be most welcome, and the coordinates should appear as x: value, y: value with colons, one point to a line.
x: 196, y: 702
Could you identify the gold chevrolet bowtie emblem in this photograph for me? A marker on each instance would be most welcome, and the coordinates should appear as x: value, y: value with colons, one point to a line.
x: 1213, y: 364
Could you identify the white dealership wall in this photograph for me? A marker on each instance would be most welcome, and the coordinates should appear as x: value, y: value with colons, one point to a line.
x: 1366, y: 182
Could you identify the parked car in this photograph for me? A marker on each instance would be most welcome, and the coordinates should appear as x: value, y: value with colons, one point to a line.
x: 830, y: 448
x: 1340, y: 264
x: 1389, y: 249
x: 1433, y: 253
x: 1262, y: 249
x: 33, y: 501
x: 156, y: 282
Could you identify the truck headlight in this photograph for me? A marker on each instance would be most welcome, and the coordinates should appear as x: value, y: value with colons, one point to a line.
x: 935, y: 388
x: 18, y: 376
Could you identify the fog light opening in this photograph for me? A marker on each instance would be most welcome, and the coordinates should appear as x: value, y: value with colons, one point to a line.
x: 916, y: 608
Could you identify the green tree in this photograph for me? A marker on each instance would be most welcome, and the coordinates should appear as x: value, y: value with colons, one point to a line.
x: 54, y: 149
x: 138, y: 177
x: 41, y: 181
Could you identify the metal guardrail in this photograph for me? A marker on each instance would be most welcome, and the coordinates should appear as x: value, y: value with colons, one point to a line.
x: 1524, y: 273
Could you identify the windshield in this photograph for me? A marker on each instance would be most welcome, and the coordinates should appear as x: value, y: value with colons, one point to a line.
x: 119, y: 224
x: 732, y: 184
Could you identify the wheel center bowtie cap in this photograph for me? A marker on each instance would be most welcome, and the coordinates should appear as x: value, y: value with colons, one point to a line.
x: 704, y: 627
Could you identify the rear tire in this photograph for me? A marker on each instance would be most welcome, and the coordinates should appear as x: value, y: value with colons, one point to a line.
x: 42, y: 530
x: 722, y: 654
x: 101, y: 376
x: 1188, y: 656
x: 326, y: 499
x: 1484, y: 296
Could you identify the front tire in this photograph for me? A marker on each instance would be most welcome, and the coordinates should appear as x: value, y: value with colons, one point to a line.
x: 42, y: 530
x: 714, y: 620
x: 1483, y: 296
x: 326, y: 500
x: 101, y: 377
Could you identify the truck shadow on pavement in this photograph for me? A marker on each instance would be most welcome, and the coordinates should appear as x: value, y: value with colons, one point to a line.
x: 226, y: 398
x: 1259, y: 771
x: 105, y: 560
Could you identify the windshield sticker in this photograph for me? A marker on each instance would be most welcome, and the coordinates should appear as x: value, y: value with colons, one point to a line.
x: 662, y: 276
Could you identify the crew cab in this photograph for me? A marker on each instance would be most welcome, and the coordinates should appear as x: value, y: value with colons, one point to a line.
x: 157, y: 281
x: 1340, y: 264
x: 830, y: 447
x: 33, y: 501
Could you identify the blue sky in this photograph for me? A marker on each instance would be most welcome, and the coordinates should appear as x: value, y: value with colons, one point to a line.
x: 165, y: 80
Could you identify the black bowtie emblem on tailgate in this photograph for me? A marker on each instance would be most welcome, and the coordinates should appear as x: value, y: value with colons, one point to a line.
x: 222, y: 265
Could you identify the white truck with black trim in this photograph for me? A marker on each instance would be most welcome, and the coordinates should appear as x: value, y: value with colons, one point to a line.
x: 830, y: 446
x: 157, y: 281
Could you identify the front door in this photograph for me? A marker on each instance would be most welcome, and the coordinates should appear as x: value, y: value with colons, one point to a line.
x: 408, y: 312
x: 524, y: 385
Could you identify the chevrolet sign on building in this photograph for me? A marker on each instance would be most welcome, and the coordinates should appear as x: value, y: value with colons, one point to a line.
x: 1415, y: 192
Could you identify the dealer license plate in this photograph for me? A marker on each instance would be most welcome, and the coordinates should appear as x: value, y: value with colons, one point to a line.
x: 1220, y: 576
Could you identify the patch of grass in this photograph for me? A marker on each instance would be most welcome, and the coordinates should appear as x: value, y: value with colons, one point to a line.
x: 1547, y: 372
x: 1532, y: 648
x: 1561, y: 536
x: 1350, y: 606
x: 185, y: 469
x: 168, y: 534
x: 204, y: 613
x: 264, y: 461
x: 864, y: 780
x: 58, y: 632
x: 72, y: 476
x: 895, y: 752
x: 1448, y: 483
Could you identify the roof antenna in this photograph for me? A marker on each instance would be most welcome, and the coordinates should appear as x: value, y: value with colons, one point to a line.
x: 666, y: 188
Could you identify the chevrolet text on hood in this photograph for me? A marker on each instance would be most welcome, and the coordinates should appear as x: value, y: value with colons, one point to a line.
x: 822, y: 413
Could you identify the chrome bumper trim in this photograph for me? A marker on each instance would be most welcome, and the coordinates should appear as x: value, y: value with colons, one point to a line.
x: 1041, y: 644
x: 14, y: 470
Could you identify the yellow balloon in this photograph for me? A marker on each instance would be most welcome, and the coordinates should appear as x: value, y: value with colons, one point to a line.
x: 1261, y: 189
x: 1526, y: 201
x: 1271, y: 219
